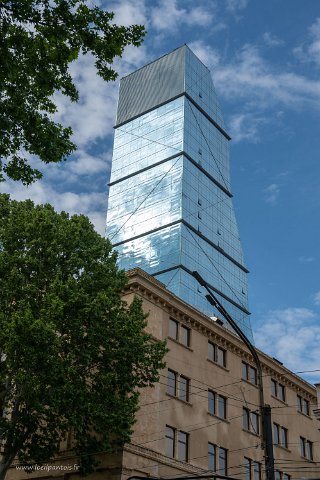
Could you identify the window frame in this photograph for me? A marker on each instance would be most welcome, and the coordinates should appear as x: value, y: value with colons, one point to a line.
x: 306, y: 449
x: 303, y: 405
x: 212, y: 455
x: 179, y: 337
x: 278, y: 390
x: 217, y: 351
x: 247, y: 371
x: 248, y: 424
x: 173, y: 438
x: 185, y: 397
x: 277, y: 435
x: 174, y: 378
x: 185, y: 456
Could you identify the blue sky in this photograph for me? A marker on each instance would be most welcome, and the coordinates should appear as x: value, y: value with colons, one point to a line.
x: 265, y: 62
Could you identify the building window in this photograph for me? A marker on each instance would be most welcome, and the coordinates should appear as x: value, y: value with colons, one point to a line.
x: 278, y: 475
x: 223, y: 465
x: 183, y: 446
x: 172, y: 383
x: 249, y: 373
x: 256, y: 471
x: 217, y: 404
x: 199, y: 201
x: 246, y: 419
x: 178, y: 385
x: 217, y: 459
x: 306, y: 448
x: 247, y: 469
x: 211, y: 402
x: 278, y: 390
x: 250, y: 421
x: 303, y: 405
x: 252, y: 469
x: 170, y: 441
x: 199, y: 215
x: 173, y: 329
x: 185, y: 335
x: 172, y: 435
x: 280, y: 435
x: 211, y: 457
x: 222, y: 406
x: 184, y: 388
x: 200, y: 151
x: 179, y: 332
x: 216, y: 354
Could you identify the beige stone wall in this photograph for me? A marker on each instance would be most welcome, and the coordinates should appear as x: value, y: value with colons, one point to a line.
x: 159, y: 409
x: 145, y: 456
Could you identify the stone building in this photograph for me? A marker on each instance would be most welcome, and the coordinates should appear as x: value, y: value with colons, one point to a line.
x: 203, y: 416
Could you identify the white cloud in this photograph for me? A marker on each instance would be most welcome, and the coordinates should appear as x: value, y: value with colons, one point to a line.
x: 250, y: 77
x: 272, y: 40
x: 167, y: 16
x: 92, y: 204
x: 206, y: 53
x: 245, y: 126
x: 316, y: 298
x: 292, y: 335
x: 234, y: 5
x: 305, y: 259
x: 272, y: 193
x: 128, y: 12
x: 309, y: 51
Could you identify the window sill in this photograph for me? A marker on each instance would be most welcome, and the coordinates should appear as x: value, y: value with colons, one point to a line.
x: 250, y: 383
x: 180, y: 399
x: 282, y: 447
x: 251, y: 433
x: 218, y: 418
x: 305, y: 415
x: 279, y: 400
x: 218, y: 365
x: 307, y: 459
x: 179, y: 343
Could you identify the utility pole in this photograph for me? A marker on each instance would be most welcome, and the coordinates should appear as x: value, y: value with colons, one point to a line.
x: 265, y: 410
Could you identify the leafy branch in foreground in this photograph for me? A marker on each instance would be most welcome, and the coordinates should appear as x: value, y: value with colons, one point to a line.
x: 73, y: 353
x: 38, y: 41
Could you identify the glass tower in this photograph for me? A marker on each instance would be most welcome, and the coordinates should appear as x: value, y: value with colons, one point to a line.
x: 170, y: 206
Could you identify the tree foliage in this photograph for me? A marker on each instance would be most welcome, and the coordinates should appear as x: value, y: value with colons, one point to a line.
x: 38, y: 41
x: 72, y: 352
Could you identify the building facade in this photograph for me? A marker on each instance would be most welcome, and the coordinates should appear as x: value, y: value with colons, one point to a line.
x: 170, y: 208
x: 203, y: 415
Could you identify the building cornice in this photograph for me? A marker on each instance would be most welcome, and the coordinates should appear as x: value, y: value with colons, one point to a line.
x: 147, y: 287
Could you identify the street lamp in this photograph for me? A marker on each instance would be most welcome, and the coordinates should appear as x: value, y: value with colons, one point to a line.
x: 264, y: 409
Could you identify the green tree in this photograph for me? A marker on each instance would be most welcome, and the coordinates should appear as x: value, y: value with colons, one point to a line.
x: 73, y: 353
x: 38, y: 41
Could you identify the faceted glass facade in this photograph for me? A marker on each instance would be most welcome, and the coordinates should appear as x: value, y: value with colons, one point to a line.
x: 170, y: 208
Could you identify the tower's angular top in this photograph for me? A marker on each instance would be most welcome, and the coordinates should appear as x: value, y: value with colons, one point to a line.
x: 177, y: 73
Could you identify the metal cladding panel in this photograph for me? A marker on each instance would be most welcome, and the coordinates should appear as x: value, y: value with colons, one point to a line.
x: 152, y: 85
